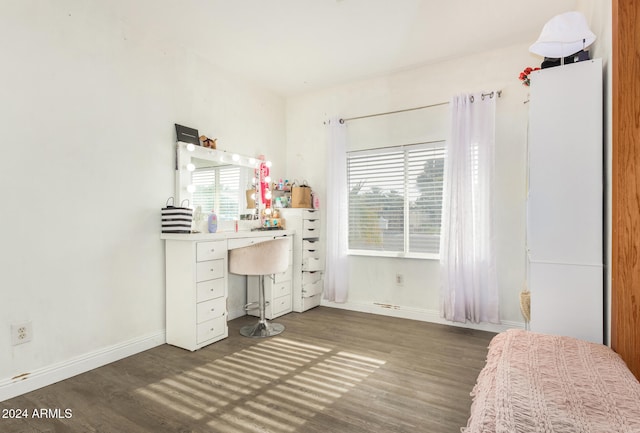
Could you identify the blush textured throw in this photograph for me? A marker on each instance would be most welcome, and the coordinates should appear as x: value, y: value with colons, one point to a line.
x: 549, y: 384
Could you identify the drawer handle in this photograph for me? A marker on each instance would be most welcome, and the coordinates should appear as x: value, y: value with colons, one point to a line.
x: 213, y: 309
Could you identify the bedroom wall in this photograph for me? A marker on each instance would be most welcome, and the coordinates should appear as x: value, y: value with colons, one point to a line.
x: 372, y: 279
x: 87, y: 113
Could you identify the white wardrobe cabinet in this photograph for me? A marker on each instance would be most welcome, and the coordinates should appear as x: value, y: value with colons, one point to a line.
x: 565, y: 201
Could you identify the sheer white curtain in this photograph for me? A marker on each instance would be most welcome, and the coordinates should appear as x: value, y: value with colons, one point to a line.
x: 467, y: 252
x: 335, y: 276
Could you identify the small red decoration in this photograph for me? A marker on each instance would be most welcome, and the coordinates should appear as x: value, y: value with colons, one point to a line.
x: 524, y: 76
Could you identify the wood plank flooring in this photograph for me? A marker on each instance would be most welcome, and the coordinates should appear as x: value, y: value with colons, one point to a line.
x: 331, y: 371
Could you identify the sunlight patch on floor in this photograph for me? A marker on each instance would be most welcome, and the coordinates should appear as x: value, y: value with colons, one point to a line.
x: 274, y: 386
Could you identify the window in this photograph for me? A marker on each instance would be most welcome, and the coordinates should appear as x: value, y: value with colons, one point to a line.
x: 395, y: 200
x: 218, y: 188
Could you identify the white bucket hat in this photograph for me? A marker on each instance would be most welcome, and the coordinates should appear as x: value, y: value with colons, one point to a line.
x: 563, y: 35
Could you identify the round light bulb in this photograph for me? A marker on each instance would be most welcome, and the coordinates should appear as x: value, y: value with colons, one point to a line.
x: 267, y: 211
x: 253, y: 180
x: 253, y: 196
x: 252, y: 161
x: 191, y: 188
x: 267, y: 179
x: 191, y: 167
x: 191, y: 147
x: 268, y: 195
x: 268, y: 164
x: 235, y: 157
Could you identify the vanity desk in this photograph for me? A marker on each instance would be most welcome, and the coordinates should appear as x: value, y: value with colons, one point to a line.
x: 197, y: 283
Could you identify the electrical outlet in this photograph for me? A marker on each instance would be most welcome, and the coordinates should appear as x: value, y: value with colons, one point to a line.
x: 21, y: 333
x: 399, y: 279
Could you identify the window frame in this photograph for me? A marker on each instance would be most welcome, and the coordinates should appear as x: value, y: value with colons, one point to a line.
x: 432, y: 145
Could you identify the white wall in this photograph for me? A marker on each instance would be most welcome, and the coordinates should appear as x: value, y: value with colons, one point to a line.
x: 87, y: 115
x: 372, y: 279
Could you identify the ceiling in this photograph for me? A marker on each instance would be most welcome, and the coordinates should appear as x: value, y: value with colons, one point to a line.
x: 294, y: 46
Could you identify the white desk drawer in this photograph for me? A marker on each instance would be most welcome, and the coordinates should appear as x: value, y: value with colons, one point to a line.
x: 209, y: 270
x: 310, y: 233
x: 310, y: 245
x: 209, y: 289
x: 312, y: 289
x: 281, y: 305
x: 310, y: 224
x: 211, y: 329
x: 208, y: 310
x: 310, y: 254
x: 279, y: 289
x: 311, y: 277
x: 211, y: 250
x: 311, y: 301
x: 310, y: 214
x: 283, y: 276
x: 312, y: 264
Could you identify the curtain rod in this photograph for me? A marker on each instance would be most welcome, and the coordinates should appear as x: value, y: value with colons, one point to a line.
x: 490, y: 95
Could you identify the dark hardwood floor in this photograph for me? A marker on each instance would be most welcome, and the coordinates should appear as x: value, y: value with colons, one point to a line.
x: 331, y: 371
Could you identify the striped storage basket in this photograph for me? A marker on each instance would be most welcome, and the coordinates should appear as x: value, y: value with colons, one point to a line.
x: 176, y: 219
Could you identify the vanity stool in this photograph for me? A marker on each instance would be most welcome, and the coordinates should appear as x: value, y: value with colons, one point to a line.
x: 264, y: 258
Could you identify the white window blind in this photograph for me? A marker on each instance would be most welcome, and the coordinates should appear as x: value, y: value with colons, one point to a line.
x: 218, y: 189
x: 395, y: 199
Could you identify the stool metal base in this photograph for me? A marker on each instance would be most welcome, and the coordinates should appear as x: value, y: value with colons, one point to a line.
x: 261, y: 329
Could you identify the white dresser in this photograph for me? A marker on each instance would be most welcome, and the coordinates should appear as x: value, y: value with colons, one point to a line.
x: 277, y: 291
x: 308, y: 262
x: 197, y: 284
x: 196, y: 292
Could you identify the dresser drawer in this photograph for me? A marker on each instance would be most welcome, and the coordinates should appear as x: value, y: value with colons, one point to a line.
x: 279, y: 289
x: 310, y: 245
x: 209, y: 270
x: 208, y: 310
x: 310, y: 224
x: 312, y: 264
x: 310, y: 233
x: 210, y: 289
x: 211, y: 329
x: 310, y: 254
x: 284, y: 276
x: 311, y: 301
x: 310, y: 214
x: 211, y: 250
x: 280, y: 306
x: 312, y: 289
x: 311, y: 277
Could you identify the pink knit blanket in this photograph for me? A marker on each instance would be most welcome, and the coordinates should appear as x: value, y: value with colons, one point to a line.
x: 542, y: 383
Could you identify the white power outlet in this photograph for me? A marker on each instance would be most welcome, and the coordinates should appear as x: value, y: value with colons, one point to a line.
x: 21, y: 333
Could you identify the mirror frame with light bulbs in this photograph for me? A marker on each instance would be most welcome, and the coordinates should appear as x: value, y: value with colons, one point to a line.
x: 184, y: 167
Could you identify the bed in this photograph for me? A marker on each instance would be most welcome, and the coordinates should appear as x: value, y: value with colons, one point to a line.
x: 535, y: 382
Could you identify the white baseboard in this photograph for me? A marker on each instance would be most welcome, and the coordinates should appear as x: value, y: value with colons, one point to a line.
x: 423, y: 315
x: 13, y: 387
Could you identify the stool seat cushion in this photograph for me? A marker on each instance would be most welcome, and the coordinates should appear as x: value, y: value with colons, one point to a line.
x: 264, y: 258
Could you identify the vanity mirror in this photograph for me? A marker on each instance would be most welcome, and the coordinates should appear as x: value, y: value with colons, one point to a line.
x: 215, y: 180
